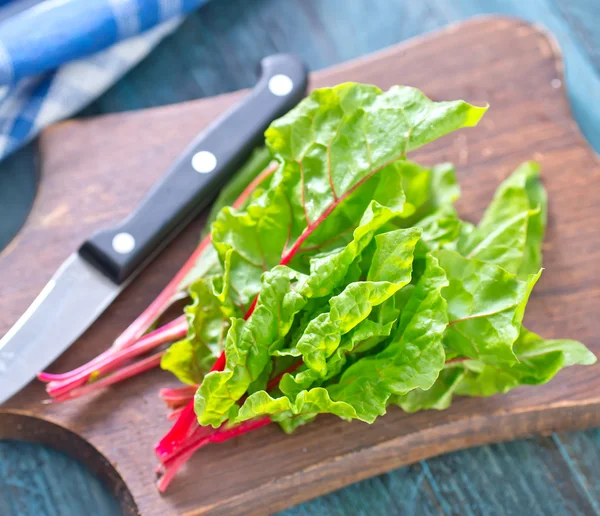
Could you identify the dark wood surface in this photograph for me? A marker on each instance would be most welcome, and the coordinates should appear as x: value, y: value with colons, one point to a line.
x: 524, y: 119
x: 509, y: 64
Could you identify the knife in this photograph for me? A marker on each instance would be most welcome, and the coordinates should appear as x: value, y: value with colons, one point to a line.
x: 92, y: 277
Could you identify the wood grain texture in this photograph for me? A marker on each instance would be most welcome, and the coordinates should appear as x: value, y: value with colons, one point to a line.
x: 506, y: 63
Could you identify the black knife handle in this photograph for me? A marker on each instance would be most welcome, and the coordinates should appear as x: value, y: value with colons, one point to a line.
x: 198, y: 175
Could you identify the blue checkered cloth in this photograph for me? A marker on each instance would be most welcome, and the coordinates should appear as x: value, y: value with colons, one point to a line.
x: 56, y: 56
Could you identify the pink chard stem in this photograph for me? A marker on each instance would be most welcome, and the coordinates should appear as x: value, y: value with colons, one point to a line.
x: 175, y: 413
x: 49, y: 377
x: 171, y: 464
x: 176, y: 397
x: 172, y: 331
x: 122, y: 374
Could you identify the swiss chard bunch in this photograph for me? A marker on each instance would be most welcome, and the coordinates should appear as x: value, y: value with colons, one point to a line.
x: 341, y: 280
x: 350, y: 283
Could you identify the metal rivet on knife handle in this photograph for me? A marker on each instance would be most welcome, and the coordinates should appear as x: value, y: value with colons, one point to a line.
x: 204, y: 162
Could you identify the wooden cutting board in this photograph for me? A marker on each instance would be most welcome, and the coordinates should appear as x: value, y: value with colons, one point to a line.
x: 94, y: 171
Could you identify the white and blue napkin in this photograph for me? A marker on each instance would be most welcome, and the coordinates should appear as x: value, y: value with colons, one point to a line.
x: 56, y: 56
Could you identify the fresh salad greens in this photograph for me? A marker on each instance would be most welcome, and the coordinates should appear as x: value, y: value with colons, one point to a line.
x: 343, y: 281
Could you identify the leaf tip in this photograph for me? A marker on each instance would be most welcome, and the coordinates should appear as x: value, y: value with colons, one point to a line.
x: 475, y: 114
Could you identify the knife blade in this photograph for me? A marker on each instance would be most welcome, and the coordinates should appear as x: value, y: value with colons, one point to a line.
x: 92, y: 277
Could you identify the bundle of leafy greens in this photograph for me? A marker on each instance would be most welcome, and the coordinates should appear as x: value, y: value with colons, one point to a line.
x: 344, y: 281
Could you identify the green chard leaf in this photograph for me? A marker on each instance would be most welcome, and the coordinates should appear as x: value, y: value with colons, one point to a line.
x: 430, y: 195
x: 438, y: 396
x: 539, y: 361
x: 328, y: 270
x: 340, y: 136
x: 208, y: 321
x: 390, y: 270
x: 366, y: 335
x: 247, y: 346
x: 427, y: 190
x: 291, y: 413
x: 440, y: 229
x: 252, y: 240
x: 346, y: 281
x: 511, y: 231
x: 486, y: 305
x: 413, y: 358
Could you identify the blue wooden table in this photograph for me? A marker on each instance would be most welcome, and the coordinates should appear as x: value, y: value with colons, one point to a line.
x: 216, y: 50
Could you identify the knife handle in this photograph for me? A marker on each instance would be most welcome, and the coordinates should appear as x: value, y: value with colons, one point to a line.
x: 196, y: 178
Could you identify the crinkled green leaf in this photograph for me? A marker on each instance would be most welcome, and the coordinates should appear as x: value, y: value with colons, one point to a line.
x: 440, y: 229
x: 329, y: 270
x: 255, y: 237
x: 326, y: 272
x: 486, y: 305
x: 336, y: 230
x: 539, y: 361
x: 247, y: 346
x: 289, y: 423
x: 340, y: 136
x: 329, y: 146
x: 347, y: 309
x: 531, y: 349
x: 390, y: 270
x: 430, y: 194
x: 208, y: 321
x: 306, y: 405
x: 438, y: 396
x: 413, y: 359
x: 367, y: 334
x: 354, y: 312
x: 511, y: 231
x: 332, y: 269
x: 427, y: 190
x: 261, y: 381
x: 370, y: 332
x: 312, y: 309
